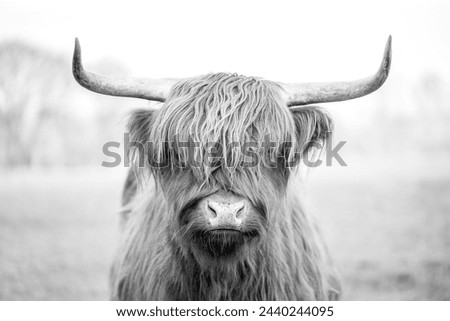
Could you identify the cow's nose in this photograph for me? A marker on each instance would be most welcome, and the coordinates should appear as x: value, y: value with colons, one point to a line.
x: 225, y: 215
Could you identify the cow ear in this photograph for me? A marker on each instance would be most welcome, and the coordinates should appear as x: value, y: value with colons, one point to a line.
x: 313, y: 125
x: 140, y: 125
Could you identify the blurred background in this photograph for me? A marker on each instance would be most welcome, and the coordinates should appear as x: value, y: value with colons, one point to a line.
x: 386, y: 215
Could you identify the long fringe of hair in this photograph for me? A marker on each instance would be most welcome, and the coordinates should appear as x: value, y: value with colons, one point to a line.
x: 225, y: 109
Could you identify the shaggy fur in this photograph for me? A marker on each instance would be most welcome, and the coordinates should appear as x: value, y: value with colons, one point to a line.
x: 282, y: 256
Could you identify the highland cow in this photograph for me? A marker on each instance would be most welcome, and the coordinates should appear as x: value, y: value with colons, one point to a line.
x: 227, y: 229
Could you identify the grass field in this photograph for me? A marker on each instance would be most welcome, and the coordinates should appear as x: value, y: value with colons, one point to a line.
x: 388, y: 228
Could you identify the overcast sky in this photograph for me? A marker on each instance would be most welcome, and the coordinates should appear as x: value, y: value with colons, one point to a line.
x: 281, y: 40
x: 288, y: 41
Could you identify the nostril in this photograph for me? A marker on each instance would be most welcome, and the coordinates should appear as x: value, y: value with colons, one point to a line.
x: 240, y: 211
x: 211, y: 209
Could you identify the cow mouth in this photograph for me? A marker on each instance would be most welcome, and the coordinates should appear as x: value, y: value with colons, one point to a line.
x: 221, y: 243
x: 229, y: 231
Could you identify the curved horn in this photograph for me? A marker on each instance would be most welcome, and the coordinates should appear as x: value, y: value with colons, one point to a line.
x: 308, y: 93
x: 151, y: 89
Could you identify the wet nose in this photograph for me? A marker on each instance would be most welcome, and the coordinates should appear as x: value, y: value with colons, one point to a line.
x: 225, y: 215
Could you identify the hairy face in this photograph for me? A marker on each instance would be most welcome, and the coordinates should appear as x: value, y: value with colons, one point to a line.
x: 223, y: 217
x: 223, y: 144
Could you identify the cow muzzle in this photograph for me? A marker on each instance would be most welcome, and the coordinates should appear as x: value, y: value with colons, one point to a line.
x: 220, y: 225
x: 225, y: 212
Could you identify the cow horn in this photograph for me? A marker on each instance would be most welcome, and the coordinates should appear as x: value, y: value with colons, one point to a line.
x: 308, y: 93
x: 151, y: 89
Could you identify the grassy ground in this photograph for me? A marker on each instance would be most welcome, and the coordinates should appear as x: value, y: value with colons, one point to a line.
x: 57, y: 236
x: 388, y: 228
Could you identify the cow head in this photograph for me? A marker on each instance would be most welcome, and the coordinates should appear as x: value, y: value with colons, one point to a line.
x: 222, y: 148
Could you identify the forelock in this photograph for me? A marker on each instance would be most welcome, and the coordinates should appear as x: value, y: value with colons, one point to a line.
x: 222, y: 108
